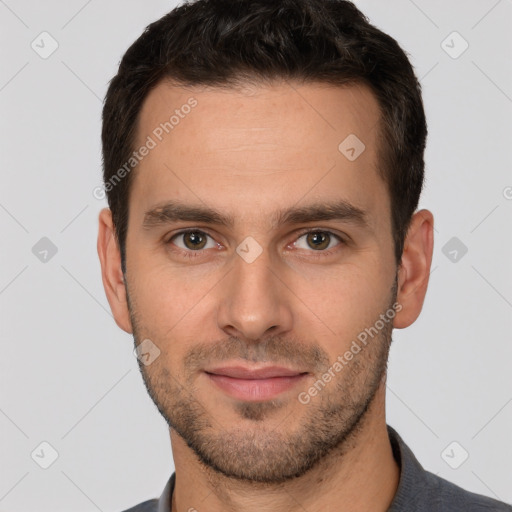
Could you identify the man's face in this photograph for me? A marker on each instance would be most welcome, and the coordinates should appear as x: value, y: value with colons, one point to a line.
x: 261, y: 292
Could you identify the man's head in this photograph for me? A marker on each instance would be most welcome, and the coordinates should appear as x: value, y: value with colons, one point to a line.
x: 262, y: 225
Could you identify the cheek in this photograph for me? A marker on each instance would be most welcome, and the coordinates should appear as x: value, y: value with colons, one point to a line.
x: 348, y: 287
x: 341, y: 302
x: 170, y: 301
x: 163, y: 284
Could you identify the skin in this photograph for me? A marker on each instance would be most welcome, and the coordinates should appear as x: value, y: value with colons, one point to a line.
x: 249, y: 152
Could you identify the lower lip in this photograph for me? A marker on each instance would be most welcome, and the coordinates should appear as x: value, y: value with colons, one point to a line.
x: 255, y: 389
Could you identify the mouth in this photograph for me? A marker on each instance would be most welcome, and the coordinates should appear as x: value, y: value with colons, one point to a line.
x: 255, y: 384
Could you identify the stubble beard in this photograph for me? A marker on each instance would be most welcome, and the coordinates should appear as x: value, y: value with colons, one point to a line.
x: 328, y: 424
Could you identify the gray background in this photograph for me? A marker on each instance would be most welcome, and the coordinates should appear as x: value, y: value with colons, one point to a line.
x: 68, y: 373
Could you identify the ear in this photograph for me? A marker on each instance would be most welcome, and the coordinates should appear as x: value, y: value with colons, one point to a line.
x: 111, y: 273
x: 414, y: 270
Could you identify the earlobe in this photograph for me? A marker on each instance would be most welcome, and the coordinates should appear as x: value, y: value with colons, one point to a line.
x: 414, y: 271
x: 111, y: 272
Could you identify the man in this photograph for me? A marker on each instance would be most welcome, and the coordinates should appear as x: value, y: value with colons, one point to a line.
x: 263, y: 162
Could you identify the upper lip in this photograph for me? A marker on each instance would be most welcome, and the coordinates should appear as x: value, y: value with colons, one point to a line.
x: 241, y: 372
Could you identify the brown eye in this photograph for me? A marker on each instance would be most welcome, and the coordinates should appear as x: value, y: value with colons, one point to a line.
x: 191, y: 240
x: 318, y: 240
x: 194, y: 240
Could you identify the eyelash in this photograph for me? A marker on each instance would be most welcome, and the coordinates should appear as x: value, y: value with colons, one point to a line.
x: 200, y: 252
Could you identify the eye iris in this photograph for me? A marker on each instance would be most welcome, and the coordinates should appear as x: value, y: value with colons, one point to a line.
x: 319, y: 240
x: 195, y: 237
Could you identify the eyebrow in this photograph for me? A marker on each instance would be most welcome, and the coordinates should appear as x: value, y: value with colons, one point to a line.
x: 175, y: 211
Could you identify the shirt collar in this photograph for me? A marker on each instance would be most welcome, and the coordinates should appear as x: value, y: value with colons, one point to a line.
x: 412, y: 474
x: 164, y: 502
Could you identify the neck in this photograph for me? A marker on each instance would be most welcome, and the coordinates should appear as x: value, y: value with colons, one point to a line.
x: 357, y: 476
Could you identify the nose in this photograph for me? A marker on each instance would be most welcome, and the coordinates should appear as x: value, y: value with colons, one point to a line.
x: 255, y: 300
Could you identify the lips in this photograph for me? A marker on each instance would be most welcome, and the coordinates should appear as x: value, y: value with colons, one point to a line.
x: 240, y: 372
x: 254, y: 384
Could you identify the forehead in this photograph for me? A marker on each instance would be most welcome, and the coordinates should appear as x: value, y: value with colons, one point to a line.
x: 252, y: 149
x: 318, y: 110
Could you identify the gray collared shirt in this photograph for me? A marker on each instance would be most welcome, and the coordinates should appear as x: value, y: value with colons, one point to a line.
x: 418, y: 490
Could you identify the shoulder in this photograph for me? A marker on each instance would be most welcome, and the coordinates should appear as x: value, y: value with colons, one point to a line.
x: 422, y: 491
x: 445, y: 495
x: 146, y: 506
